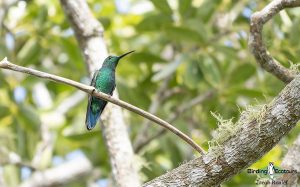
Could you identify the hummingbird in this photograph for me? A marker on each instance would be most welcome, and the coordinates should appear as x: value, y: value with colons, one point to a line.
x: 104, y: 81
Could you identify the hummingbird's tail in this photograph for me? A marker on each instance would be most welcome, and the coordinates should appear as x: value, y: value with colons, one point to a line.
x: 93, y: 112
x: 91, y: 118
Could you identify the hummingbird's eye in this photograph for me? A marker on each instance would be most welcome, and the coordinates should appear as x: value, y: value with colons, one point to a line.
x: 109, y: 57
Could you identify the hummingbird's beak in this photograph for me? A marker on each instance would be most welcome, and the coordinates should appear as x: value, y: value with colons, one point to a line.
x: 125, y: 54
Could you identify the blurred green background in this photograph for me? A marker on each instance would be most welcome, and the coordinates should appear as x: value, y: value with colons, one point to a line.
x: 192, y: 45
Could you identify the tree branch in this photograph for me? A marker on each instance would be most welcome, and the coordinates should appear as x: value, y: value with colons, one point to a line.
x: 91, y: 90
x: 258, y: 49
x: 58, y: 176
x: 250, y: 140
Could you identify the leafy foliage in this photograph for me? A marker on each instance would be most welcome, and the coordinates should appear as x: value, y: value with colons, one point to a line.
x: 200, y: 45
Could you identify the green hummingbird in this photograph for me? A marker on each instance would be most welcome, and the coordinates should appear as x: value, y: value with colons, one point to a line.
x: 104, y: 81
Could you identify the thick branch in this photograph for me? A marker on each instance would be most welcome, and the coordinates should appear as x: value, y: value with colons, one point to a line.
x: 253, y: 138
x: 258, y: 49
x: 60, y: 175
x: 91, y: 90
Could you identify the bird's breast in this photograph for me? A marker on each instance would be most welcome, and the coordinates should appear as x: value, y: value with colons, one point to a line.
x: 105, y: 81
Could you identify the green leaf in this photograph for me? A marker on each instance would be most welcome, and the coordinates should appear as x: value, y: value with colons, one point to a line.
x: 174, y: 150
x: 228, y: 50
x: 29, y: 118
x: 4, y: 111
x: 240, y: 91
x: 4, y: 51
x: 198, y: 26
x: 193, y: 74
x: 145, y: 57
x: 185, y: 7
x: 162, y: 5
x: 241, y: 73
x: 29, y: 52
x: 210, y: 70
x: 42, y: 16
x: 137, y: 96
x: 3, y: 81
x: 154, y: 22
x: 207, y: 9
x: 73, y: 52
x: 105, y: 21
x: 294, y: 33
x: 167, y: 70
x: 183, y: 34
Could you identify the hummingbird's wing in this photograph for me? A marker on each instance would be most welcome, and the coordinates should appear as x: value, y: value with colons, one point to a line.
x: 93, y: 82
x: 90, y: 119
x: 103, y: 103
x: 112, y: 91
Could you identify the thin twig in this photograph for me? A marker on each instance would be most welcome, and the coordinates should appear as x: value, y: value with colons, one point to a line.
x: 5, y: 64
x: 182, y: 109
x: 258, y: 49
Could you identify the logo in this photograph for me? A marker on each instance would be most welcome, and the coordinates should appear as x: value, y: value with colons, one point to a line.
x: 270, y: 175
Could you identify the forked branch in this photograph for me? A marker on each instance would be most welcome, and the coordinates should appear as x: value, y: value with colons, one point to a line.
x: 257, y: 47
